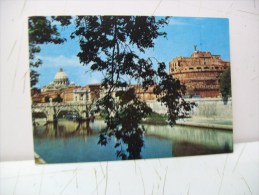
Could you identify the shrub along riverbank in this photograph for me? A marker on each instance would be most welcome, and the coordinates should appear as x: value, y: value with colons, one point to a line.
x: 155, y: 119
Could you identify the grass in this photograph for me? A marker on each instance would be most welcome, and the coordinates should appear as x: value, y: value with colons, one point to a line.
x: 155, y: 119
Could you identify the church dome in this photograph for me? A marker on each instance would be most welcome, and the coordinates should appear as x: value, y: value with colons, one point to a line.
x: 61, y: 78
x: 60, y: 75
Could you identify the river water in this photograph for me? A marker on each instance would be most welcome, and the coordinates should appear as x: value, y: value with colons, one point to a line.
x: 69, y: 141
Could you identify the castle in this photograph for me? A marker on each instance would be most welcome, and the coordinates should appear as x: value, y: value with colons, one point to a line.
x: 200, y: 73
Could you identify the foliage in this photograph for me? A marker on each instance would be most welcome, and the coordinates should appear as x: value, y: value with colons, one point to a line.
x: 225, y: 83
x: 115, y: 45
x: 125, y: 115
x: 57, y: 99
x: 42, y: 31
x: 170, y: 92
x: 46, y: 99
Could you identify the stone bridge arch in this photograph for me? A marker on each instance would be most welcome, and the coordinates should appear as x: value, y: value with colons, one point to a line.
x: 48, y: 111
x: 68, y: 109
x: 39, y: 110
x: 36, y: 120
x: 52, y: 110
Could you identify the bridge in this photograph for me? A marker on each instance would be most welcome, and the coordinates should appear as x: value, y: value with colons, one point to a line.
x: 206, y: 107
x: 53, y: 109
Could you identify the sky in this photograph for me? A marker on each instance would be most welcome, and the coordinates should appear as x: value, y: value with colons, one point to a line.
x: 209, y: 34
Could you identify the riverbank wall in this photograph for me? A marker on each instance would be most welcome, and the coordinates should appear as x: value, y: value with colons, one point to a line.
x: 213, y: 108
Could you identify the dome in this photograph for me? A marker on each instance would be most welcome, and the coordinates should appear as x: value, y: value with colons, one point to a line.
x: 60, y: 75
x: 61, y: 78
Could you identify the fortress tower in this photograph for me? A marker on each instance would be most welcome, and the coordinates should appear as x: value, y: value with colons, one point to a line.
x: 200, y: 73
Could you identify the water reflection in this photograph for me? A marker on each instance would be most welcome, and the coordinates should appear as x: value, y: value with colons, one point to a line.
x: 63, y: 129
x: 70, y: 141
x: 208, y: 140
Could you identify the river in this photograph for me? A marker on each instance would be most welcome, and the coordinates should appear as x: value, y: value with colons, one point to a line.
x: 69, y: 141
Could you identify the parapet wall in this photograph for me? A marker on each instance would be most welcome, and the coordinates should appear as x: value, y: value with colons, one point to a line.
x: 213, y: 108
x: 206, y: 108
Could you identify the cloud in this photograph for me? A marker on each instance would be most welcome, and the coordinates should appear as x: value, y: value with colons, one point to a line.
x: 94, y: 81
x: 186, y: 21
x: 60, y: 61
x: 177, y: 22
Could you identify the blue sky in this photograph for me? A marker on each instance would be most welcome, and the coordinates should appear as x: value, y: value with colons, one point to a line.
x: 209, y: 34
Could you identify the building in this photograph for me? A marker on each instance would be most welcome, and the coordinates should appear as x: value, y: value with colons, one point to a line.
x: 60, y: 89
x: 95, y: 91
x: 200, y: 73
x: 68, y: 94
x: 140, y: 92
x: 60, y: 81
x: 144, y: 94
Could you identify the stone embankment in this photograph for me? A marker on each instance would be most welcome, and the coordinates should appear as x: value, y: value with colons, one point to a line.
x: 209, y: 113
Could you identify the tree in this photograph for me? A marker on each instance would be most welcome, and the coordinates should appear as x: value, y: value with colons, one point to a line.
x: 225, y: 84
x: 42, y: 31
x: 114, y: 45
x: 58, y: 99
